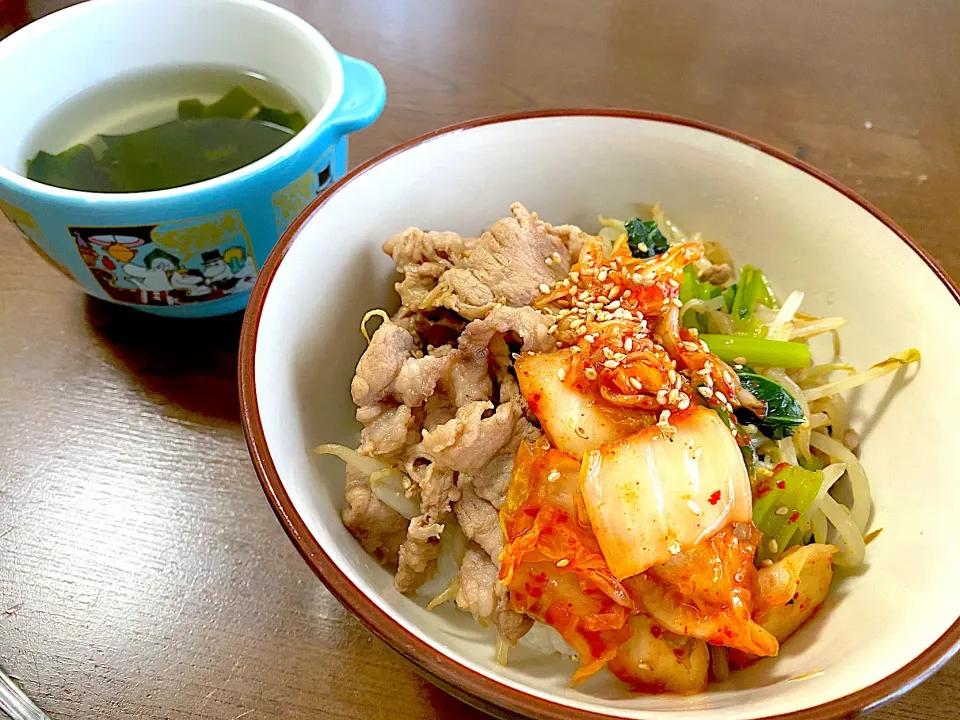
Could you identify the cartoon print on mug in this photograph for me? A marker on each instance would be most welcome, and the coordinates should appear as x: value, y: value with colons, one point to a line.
x: 174, y: 263
x: 288, y: 202
x: 28, y: 227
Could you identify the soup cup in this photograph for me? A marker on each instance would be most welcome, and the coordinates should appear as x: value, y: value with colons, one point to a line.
x: 194, y: 250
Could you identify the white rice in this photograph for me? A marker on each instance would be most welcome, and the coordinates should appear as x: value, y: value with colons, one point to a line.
x: 545, y: 640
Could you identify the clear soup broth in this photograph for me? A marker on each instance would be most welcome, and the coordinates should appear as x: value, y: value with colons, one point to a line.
x: 163, y: 129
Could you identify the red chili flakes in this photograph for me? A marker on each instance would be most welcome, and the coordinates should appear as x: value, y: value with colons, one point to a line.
x: 781, y: 484
x: 656, y: 631
x: 794, y: 517
x: 678, y: 652
x: 714, y: 498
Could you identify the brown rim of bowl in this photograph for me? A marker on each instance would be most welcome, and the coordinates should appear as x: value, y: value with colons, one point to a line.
x: 477, y: 689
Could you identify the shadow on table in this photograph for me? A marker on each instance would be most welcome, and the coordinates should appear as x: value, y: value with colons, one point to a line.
x: 187, y: 366
x: 447, y: 706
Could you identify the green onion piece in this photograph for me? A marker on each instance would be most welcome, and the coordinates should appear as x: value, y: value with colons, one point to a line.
x: 760, y: 351
x: 691, y: 288
x: 752, y: 289
x: 780, y: 506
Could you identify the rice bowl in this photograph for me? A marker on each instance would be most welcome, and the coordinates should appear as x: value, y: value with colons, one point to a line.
x: 568, y: 166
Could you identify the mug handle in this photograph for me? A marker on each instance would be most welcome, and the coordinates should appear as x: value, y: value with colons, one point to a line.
x: 364, y: 95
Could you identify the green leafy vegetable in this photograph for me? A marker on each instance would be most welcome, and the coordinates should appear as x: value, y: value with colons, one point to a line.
x: 728, y: 295
x: 237, y: 103
x: 784, y: 414
x: 760, y: 351
x: 780, y: 506
x: 183, y: 152
x: 291, y: 120
x: 752, y: 289
x: 190, y: 109
x: 644, y: 238
x: 77, y: 167
x: 205, y: 141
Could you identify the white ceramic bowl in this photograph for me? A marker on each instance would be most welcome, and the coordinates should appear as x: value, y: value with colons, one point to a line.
x: 880, y: 632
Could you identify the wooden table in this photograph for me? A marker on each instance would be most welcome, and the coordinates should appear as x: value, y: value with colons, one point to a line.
x: 142, y: 572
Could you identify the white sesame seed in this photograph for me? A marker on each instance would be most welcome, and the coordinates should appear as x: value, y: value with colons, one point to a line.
x: 664, y: 416
x: 627, y: 293
x: 581, y: 432
x: 563, y: 563
x: 672, y: 375
x: 635, y: 384
x: 773, y: 547
x: 687, y: 345
x: 727, y: 378
x: 642, y: 247
x: 782, y: 510
x: 582, y: 330
x: 561, y: 373
x: 613, y: 305
x: 637, y: 278
x: 705, y: 391
x: 549, y: 261
x: 619, y: 357
x: 575, y: 276
x: 602, y: 275
x: 720, y: 397
x: 674, y: 547
x: 607, y: 353
x: 628, y: 344
x: 729, y: 409
x: 575, y: 348
x: 588, y: 271
x: 694, y: 508
x: 544, y: 288
x: 611, y: 364
x: 673, y: 283
x: 552, y: 329
x: 613, y: 292
x: 673, y: 396
x: 553, y: 476
x: 590, y: 374
x: 589, y: 338
x: 555, y: 256
x: 684, y: 402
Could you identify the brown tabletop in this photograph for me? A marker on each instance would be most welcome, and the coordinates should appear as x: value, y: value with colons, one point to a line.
x: 142, y: 572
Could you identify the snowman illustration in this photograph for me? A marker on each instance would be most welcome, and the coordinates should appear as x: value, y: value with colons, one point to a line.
x: 241, y: 265
x: 216, y: 273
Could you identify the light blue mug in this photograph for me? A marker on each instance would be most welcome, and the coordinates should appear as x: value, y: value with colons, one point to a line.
x: 191, y: 251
